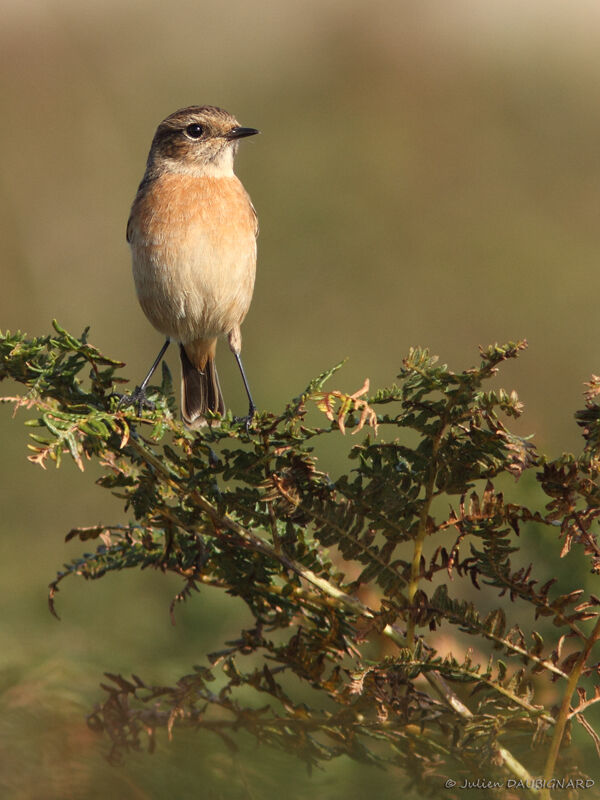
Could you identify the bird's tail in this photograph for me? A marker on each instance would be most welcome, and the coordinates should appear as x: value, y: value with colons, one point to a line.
x: 200, y: 391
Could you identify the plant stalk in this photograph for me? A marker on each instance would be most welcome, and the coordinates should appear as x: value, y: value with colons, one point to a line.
x: 415, y: 570
x: 563, y: 714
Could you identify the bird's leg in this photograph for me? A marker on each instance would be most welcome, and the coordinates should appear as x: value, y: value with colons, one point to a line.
x: 251, y: 406
x: 235, y: 343
x: 138, y: 397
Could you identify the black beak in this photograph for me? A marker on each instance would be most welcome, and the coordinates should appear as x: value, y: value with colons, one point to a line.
x: 240, y: 133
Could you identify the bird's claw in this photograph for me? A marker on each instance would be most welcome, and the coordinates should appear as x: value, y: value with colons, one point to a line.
x: 247, y: 420
x: 138, y: 398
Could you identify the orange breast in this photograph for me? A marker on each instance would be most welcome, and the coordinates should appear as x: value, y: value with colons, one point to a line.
x: 194, y: 253
x: 174, y: 203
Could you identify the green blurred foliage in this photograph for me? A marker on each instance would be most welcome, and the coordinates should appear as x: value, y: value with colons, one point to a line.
x: 427, y: 174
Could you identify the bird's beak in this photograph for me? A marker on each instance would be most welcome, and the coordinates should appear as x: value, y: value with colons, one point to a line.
x: 240, y: 133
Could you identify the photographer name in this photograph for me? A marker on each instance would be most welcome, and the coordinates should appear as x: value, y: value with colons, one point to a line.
x: 513, y: 783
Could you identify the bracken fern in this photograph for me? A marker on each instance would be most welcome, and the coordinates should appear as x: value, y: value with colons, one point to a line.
x: 333, y: 569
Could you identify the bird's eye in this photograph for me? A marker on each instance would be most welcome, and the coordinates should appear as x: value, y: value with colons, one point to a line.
x: 194, y: 131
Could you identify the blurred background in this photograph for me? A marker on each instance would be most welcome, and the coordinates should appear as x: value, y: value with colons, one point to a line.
x: 428, y: 174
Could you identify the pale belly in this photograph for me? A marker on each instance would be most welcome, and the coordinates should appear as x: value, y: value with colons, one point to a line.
x: 190, y: 290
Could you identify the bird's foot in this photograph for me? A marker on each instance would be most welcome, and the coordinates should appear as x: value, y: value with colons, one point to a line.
x: 138, y: 398
x: 247, y: 420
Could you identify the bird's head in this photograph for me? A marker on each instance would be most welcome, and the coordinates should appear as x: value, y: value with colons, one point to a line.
x: 200, y: 140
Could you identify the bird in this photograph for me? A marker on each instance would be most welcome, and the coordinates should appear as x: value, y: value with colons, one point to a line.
x: 192, y: 231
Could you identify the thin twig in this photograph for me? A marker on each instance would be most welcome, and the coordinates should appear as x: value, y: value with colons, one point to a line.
x: 563, y: 714
x: 415, y: 570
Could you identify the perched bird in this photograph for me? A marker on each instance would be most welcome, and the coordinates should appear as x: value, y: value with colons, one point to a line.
x: 192, y: 232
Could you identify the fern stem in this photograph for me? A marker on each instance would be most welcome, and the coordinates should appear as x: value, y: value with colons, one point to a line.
x: 415, y: 570
x: 268, y: 475
x: 563, y: 714
x: 510, y: 762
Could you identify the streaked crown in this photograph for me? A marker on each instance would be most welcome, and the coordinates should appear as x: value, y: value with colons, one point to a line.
x: 196, y: 139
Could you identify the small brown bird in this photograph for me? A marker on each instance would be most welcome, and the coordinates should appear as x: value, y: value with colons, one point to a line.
x: 192, y: 232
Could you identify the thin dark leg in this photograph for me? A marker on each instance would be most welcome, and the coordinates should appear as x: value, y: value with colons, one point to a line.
x: 138, y: 396
x: 157, y: 361
x: 251, y: 406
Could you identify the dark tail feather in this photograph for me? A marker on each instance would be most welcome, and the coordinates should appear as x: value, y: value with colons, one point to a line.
x: 200, y: 391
